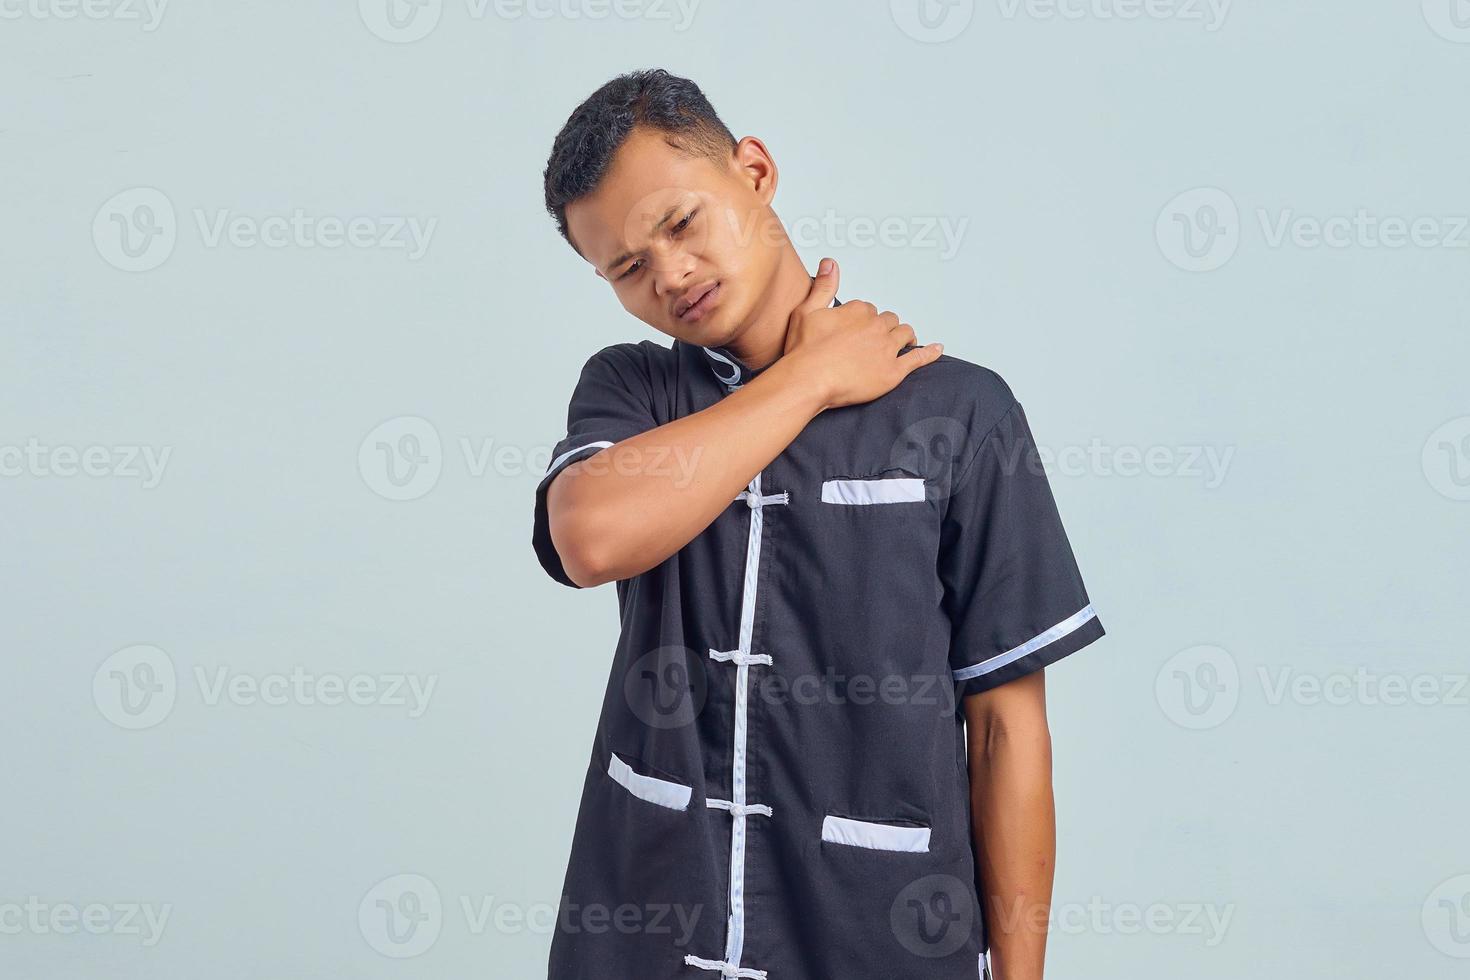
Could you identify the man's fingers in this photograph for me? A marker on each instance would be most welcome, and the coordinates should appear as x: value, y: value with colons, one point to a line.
x: 918, y: 357
x: 824, y: 287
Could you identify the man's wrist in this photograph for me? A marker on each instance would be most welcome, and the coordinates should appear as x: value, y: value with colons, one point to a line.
x: 806, y: 386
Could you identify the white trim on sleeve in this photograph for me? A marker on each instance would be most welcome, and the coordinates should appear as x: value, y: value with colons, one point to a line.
x: 675, y: 796
x: 555, y: 463
x: 1068, y: 625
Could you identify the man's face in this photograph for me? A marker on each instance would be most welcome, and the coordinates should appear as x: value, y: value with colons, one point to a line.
x: 665, y: 228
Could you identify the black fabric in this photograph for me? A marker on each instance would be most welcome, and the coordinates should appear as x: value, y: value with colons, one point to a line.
x: 865, y: 612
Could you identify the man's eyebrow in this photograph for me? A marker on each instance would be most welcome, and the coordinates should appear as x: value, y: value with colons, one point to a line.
x: 628, y: 255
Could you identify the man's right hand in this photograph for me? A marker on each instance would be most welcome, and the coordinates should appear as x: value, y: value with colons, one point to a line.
x: 849, y: 353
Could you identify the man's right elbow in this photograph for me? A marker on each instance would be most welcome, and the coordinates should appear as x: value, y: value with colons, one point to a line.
x: 584, y: 565
x: 584, y: 555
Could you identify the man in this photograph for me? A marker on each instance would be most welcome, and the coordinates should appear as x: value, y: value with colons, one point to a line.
x: 823, y: 752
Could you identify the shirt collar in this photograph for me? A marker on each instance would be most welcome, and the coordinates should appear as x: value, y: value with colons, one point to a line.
x: 729, y: 369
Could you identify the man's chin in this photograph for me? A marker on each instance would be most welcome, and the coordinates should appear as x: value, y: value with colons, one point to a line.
x: 714, y: 330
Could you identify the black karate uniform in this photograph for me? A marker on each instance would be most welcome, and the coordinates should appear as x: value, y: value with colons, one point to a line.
x: 778, y: 786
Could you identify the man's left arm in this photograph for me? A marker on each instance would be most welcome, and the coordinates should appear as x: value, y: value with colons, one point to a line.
x: 1016, y: 604
x: 1013, y: 820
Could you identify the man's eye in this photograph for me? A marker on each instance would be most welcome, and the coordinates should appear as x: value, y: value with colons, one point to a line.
x: 630, y: 270
x: 685, y: 223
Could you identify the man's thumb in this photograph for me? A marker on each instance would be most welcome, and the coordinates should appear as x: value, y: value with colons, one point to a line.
x: 824, y: 286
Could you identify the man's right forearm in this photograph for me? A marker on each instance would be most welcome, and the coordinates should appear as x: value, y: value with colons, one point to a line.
x: 624, y: 510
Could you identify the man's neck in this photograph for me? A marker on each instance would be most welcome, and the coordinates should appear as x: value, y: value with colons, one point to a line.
x: 764, y: 340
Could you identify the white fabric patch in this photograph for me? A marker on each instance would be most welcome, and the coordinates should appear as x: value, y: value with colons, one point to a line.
x: 1068, y: 625
x: 895, y: 490
x: 876, y: 836
x: 675, y: 796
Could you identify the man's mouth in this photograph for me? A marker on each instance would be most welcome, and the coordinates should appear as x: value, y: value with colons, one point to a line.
x: 700, y: 301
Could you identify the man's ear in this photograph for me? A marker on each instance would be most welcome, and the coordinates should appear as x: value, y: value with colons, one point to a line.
x: 755, y: 165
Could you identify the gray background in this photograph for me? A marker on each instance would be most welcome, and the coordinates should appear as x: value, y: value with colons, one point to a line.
x: 1271, y: 736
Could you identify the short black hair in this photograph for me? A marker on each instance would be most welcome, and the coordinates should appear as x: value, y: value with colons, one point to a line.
x: 584, y: 149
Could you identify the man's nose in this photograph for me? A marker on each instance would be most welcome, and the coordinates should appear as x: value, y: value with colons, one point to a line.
x: 671, y: 270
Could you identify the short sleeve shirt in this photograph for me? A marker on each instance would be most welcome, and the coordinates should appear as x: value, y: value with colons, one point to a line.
x: 778, y: 787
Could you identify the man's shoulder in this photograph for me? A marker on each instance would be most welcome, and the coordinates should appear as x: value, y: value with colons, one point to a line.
x: 962, y: 389
x: 644, y: 354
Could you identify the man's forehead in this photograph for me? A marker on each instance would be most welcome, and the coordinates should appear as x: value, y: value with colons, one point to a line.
x: 647, y: 178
